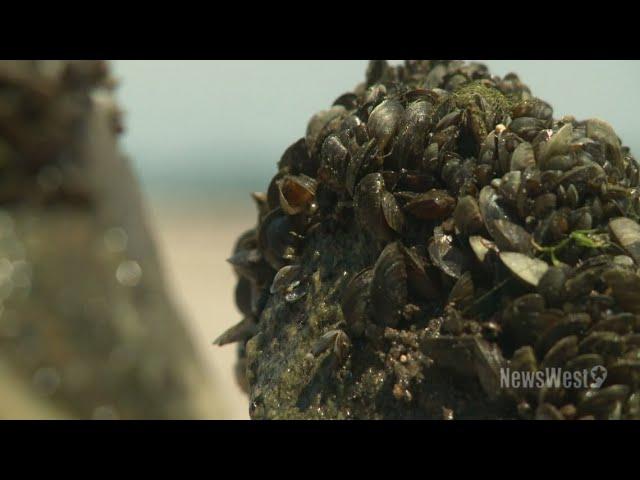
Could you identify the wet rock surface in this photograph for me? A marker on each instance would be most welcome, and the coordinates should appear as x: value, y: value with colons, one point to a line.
x: 86, y: 326
x: 454, y: 229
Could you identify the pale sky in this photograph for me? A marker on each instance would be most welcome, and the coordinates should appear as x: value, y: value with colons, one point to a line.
x: 237, y: 117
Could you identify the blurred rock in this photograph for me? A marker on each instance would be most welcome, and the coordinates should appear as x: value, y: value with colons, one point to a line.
x: 87, y: 329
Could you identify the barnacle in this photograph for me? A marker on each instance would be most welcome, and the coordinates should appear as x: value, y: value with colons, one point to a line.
x: 460, y: 231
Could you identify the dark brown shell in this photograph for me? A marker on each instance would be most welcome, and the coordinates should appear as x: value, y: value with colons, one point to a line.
x: 296, y: 160
x: 412, y: 134
x: 533, y: 107
x: 334, y: 158
x: 376, y: 209
x: 420, y: 282
x: 359, y: 164
x: 432, y: 205
x: 356, y: 300
x: 297, y: 194
x: 467, y: 216
x: 445, y: 256
x: 389, y: 286
x: 278, y: 240
x: 384, y: 121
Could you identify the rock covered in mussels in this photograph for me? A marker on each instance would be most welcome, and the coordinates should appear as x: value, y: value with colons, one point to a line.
x: 439, y: 227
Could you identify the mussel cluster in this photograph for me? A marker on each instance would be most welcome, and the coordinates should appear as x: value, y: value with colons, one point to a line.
x: 500, y: 238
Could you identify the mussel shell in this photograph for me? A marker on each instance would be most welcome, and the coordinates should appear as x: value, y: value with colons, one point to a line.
x: 273, y: 191
x: 284, y: 278
x: 335, y: 340
x: 573, y: 324
x: 467, y: 356
x: 512, y: 86
x: 626, y: 288
x: 583, y: 175
x: 243, y: 296
x: 511, y: 237
x: 562, y: 351
x: 393, y: 216
x: 412, y: 181
x: 560, y: 163
x: 262, y: 204
x: 277, y: 239
x: 376, y: 70
x: 529, y: 270
x: 621, y: 323
x: 626, y: 233
x: 481, y: 247
x: 411, y: 139
x: 506, y: 145
x: 584, y: 362
x: 581, y: 219
x: 527, y: 127
x: 389, y: 293
x: 552, y: 228
x: 374, y: 94
x: 251, y: 264
x: 625, y: 371
x: 347, y: 100
x: 356, y: 300
x: 463, y: 291
x: 247, y: 241
x: 491, y: 210
x: 525, y: 320
x: 297, y: 193
x: 420, y: 283
x: 602, y: 343
x: 533, y: 107
x: 384, y: 121
x: 432, y: 205
x: 522, y: 157
x: 240, y: 332
x: 524, y: 360
x: 353, y: 131
x: 334, y: 158
x: 296, y: 160
x: 358, y: 164
x: 601, y: 131
x: 552, y: 285
x: 508, y: 186
x: 376, y: 209
x: 467, y: 216
x: 451, y: 118
x: 600, y: 403
x: 445, y: 256
x: 480, y: 119
x: 558, y: 144
x: 584, y: 278
x: 446, y: 139
x: 544, y: 204
x: 319, y: 126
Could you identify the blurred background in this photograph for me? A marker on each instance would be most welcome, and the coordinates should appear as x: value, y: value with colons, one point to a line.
x: 202, y: 135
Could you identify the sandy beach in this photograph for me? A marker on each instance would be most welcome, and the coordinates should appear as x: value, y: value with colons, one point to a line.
x: 194, y: 244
